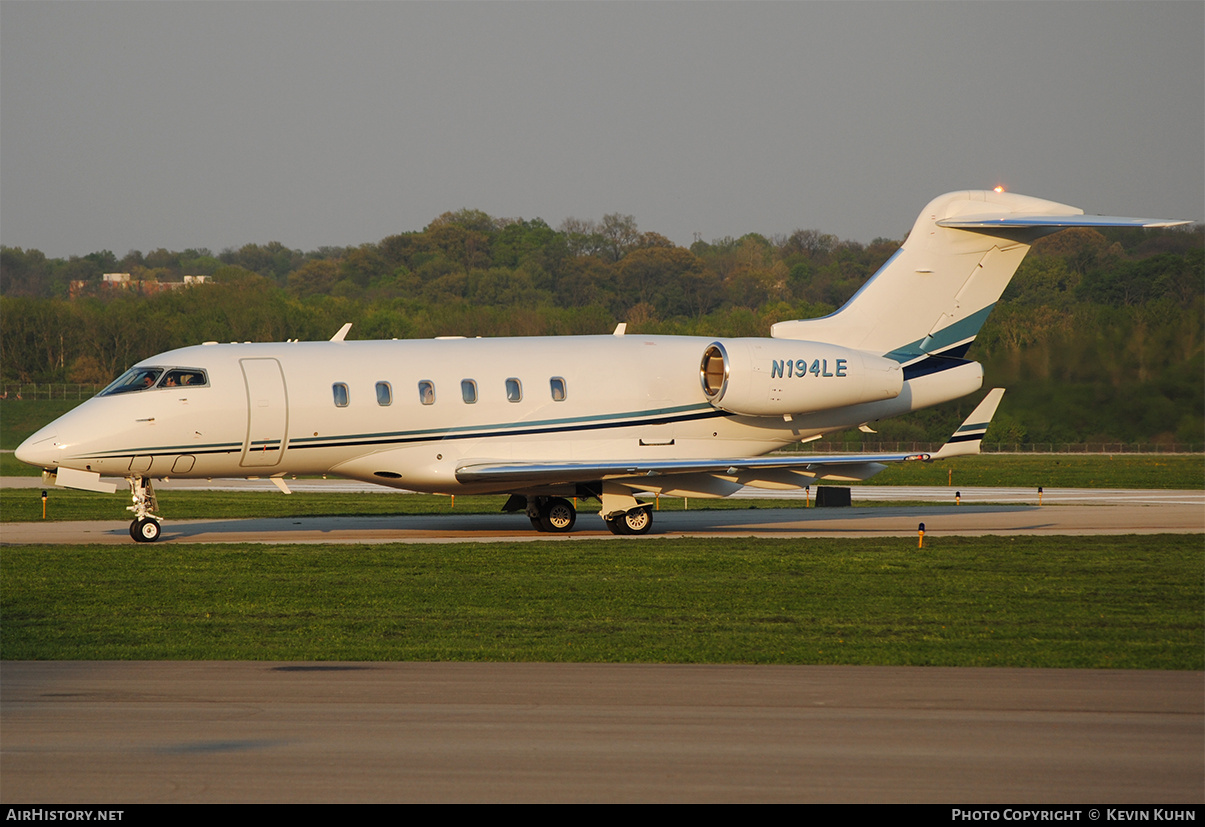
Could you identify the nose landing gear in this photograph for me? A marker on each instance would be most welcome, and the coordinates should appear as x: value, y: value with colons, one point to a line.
x: 145, y: 528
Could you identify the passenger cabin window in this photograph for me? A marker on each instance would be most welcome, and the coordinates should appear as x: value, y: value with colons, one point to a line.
x: 468, y: 391
x: 339, y: 390
x: 384, y: 394
x: 558, y: 388
x: 514, y: 390
x: 426, y: 392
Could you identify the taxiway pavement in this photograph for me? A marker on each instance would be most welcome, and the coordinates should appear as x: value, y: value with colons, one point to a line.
x: 1180, y: 514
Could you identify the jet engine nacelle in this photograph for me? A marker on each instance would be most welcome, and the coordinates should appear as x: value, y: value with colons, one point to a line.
x: 776, y: 377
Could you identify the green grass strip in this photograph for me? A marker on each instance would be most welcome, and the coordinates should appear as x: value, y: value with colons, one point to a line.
x: 1133, y: 602
x: 1142, y: 471
x: 25, y: 504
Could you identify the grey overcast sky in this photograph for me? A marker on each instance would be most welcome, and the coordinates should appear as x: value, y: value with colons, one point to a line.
x: 137, y: 125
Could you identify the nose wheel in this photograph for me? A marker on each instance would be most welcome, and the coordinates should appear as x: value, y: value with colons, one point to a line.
x: 145, y: 530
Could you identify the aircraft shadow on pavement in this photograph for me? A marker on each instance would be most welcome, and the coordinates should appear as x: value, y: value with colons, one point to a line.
x: 775, y: 520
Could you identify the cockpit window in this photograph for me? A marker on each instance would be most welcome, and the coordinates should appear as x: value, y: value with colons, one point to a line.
x: 141, y: 379
x: 190, y: 377
x: 134, y: 379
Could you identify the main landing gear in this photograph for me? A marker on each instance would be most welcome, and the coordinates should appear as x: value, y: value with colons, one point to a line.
x: 552, y: 514
x: 636, y: 521
x: 556, y: 515
x: 145, y: 528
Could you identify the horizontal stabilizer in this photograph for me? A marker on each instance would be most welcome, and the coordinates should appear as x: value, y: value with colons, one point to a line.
x: 966, y: 440
x: 1053, y: 222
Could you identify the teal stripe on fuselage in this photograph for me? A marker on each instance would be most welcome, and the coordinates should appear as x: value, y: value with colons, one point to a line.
x: 663, y: 416
x: 210, y: 448
x: 486, y: 430
x: 619, y: 420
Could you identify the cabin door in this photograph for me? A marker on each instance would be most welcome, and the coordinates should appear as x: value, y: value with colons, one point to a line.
x: 267, y: 413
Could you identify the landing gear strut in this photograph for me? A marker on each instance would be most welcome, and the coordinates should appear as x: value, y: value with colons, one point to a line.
x: 145, y: 528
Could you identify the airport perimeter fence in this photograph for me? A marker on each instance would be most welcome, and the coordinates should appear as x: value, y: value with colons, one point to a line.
x: 58, y: 390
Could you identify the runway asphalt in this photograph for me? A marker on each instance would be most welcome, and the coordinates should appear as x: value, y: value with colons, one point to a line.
x: 201, y: 732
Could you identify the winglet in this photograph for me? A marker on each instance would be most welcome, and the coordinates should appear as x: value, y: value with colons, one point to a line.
x: 966, y: 439
x: 338, y: 337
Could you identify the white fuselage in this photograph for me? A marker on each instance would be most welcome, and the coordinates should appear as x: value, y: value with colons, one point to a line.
x: 602, y: 417
x: 364, y: 410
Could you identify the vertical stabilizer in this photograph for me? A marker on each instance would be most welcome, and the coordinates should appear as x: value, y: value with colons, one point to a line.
x: 932, y: 297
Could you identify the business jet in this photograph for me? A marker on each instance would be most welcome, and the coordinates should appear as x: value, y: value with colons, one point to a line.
x: 604, y: 417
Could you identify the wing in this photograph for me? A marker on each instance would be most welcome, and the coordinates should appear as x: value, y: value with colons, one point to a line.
x: 718, y: 477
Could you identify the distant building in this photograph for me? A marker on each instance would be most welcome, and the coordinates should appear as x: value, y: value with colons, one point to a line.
x: 125, y: 281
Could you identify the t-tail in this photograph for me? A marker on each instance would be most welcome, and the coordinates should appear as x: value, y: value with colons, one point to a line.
x: 932, y: 297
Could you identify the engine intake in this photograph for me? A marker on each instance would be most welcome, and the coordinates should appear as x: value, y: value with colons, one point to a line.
x: 775, y: 377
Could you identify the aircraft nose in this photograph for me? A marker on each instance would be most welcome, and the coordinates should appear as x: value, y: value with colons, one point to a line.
x: 39, y: 450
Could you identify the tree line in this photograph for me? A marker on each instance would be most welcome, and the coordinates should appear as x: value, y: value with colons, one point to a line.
x: 1099, y: 336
